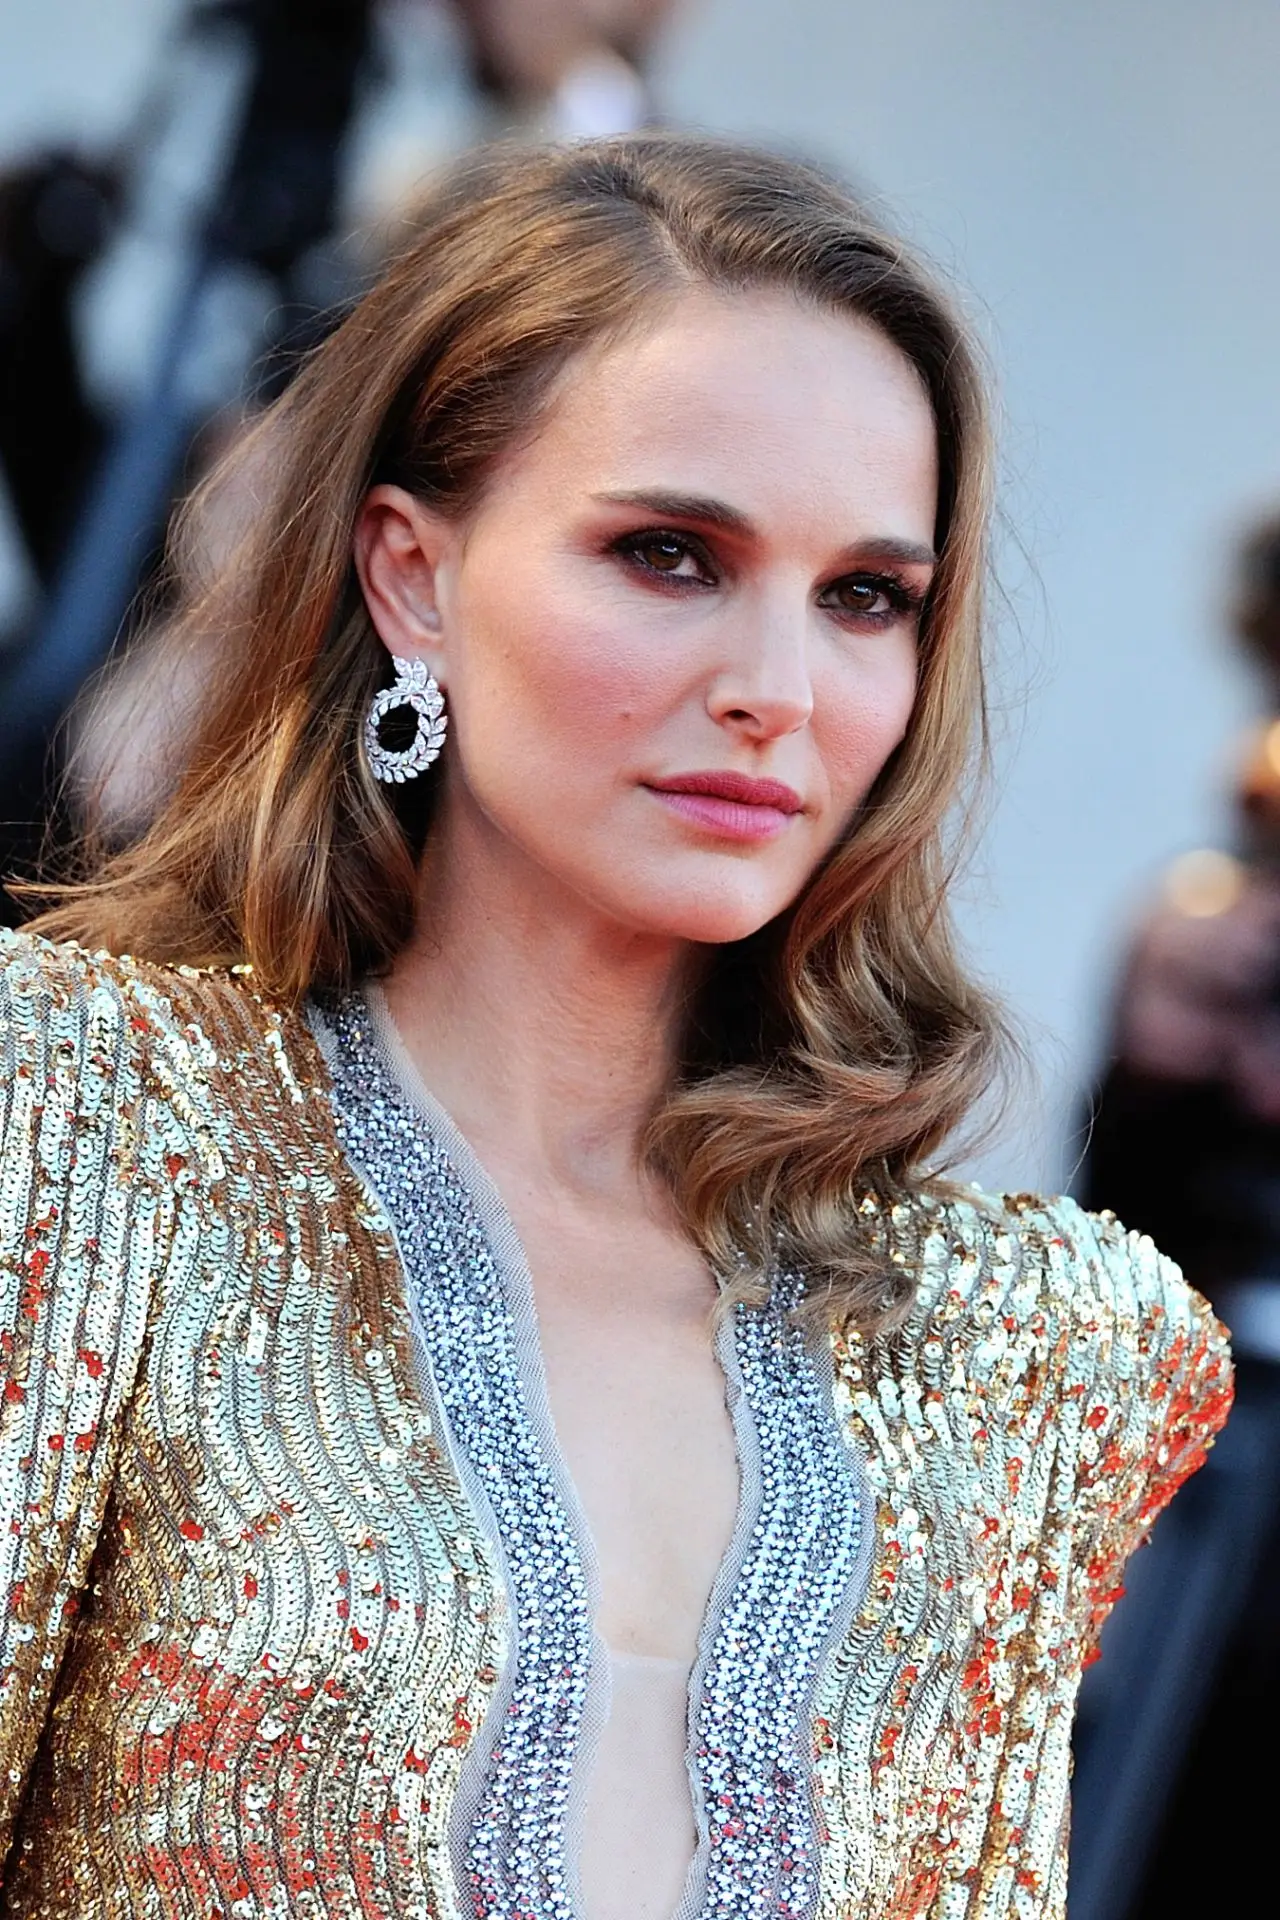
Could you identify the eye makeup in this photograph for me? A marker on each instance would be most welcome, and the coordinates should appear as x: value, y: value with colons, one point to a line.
x: 675, y: 560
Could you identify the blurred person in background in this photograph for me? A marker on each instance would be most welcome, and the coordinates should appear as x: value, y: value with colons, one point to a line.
x: 270, y: 215
x: 502, y: 1414
x: 1184, y: 1143
x: 1185, y: 1135
x: 559, y: 68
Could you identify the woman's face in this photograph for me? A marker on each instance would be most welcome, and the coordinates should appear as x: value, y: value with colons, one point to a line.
x: 678, y: 634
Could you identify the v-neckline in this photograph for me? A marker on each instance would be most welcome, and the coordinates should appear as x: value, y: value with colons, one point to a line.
x: 517, y: 1279
x: 795, y: 1569
x: 517, y: 1275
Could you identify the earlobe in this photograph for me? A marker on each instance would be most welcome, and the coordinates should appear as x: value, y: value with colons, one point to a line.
x: 397, y: 549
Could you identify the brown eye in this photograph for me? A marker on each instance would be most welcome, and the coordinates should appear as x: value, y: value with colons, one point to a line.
x: 663, y: 552
x: 861, y: 596
x: 675, y: 556
x: 879, y: 598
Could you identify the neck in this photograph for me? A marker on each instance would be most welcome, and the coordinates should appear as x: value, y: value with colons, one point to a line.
x: 546, y: 1033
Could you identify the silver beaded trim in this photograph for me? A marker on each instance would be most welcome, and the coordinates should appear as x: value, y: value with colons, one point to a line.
x: 794, y: 1575
x: 799, y: 1578
x: 513, y: 1861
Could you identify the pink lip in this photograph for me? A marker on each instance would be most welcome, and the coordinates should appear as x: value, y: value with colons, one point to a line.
x: 732, y: 805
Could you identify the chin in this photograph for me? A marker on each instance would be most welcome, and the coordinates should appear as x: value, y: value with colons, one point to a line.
x: 703, y: 918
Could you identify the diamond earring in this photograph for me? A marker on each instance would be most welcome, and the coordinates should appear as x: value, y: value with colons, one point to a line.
x: 413, y: 687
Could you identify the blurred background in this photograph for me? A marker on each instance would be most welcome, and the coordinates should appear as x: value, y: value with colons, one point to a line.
x: 1103, y: 182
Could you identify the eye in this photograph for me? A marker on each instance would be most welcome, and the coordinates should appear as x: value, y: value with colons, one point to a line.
x: 877, y: 597
x: 675, y: 556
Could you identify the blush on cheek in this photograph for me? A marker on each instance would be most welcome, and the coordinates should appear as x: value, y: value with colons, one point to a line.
x: 594, y: 691
x: 857, y: 752
x: 569, y: 658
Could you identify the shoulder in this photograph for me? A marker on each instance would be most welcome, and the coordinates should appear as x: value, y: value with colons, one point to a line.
x: 64, y: 1017
x: 42, y: 979
x: 1043, y: 1341
x: 78, y: 1036
x: 1054, y: 1373
x: 1024, y: 1273
x: 93, y: 1020
x: 46, y: 981
x: 39, y: 977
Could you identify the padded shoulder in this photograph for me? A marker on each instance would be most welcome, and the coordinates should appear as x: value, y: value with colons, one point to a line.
x: 1004, y: 1256
x: 41, y: 978
x: 51, y: 986
x: 1039, y: 1305
x: 209, y: 1041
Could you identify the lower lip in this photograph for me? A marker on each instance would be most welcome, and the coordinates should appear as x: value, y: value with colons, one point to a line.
x: 727, y: 819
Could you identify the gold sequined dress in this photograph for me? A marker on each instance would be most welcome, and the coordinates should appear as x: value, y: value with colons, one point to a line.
x: 297, y: 1612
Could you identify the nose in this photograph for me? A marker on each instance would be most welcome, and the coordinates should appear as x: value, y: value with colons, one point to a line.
x: 763, y: 688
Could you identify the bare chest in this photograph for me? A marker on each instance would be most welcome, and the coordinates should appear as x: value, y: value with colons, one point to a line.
x: 638, y: 1399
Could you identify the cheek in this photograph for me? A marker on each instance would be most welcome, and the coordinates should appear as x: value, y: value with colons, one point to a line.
x: 861, y: 721
x: 550, y: 671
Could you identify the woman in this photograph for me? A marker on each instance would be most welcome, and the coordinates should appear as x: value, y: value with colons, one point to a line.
x: 475, y: 1285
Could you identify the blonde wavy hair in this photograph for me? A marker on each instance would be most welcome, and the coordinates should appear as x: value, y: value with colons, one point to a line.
x: 830, y: 1055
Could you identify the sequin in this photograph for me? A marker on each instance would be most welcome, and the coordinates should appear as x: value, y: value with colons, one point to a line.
x: 258, y: 1626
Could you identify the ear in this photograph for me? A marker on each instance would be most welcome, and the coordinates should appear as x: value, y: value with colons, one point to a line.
x: 399, y: 546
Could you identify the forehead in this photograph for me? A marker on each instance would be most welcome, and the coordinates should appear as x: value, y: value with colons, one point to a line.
x: 779, y: 408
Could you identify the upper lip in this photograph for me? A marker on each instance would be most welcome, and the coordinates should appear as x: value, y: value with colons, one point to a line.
x: 726, y: 785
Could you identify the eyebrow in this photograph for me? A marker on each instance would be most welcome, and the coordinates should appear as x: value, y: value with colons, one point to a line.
x: 717, y: 513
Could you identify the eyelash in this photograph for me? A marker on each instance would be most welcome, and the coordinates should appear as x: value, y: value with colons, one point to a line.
x: 904, y: 597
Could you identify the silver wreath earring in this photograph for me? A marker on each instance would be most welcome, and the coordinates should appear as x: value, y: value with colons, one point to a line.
x: 413, y: 687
